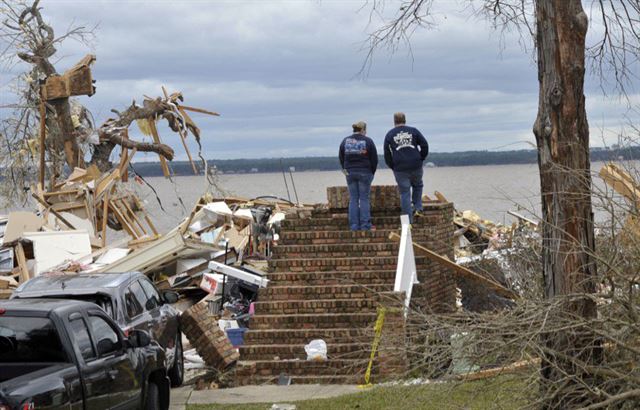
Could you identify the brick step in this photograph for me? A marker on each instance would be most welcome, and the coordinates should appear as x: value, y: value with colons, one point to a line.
x: 343, y: 212
x: 337, y: 236
x: 304, y: 336
x: 313, y: 321
x: 318, y: 292
x: 332, y: 277
x: 337, y: 250
x: 317, y: 306
x: 331, y: 367
x: 348, y: 264
x: 296, y: 351
x: 335, y: 379
x: 340, y: 222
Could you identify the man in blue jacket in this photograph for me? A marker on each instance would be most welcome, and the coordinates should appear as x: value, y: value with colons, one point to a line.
x: 405, y: 148
x: 359, y: 161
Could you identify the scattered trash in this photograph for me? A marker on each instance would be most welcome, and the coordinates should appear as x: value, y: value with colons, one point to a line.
x: 284, y: 380
x: 316, y: 350
x: 283, y: 406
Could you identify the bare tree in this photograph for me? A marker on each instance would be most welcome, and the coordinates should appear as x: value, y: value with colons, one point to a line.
x: 562, y: 135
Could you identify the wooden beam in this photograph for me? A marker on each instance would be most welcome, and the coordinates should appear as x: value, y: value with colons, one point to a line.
x: 53, y: 211
x: 200, y: 110
x: 460, y: 270
x: 497, y: 371
x: 105, y: 218
x: 440, y: 197
x: 124, y: 166
x: 43, y: 131
x: 22, y: 263
x: 124, y: 159
x: 156, y: 139
x: 183, y: 137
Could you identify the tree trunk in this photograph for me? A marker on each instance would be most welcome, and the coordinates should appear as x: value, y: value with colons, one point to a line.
x: 562, y: 136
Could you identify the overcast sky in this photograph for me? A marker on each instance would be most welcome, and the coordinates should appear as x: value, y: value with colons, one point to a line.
x: 284, y: 74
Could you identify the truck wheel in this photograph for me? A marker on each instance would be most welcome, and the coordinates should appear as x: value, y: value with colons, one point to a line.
x: 152, y: 401
x: 176, y: 373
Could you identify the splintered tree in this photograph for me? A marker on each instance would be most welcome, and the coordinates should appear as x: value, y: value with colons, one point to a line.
x: 562, y: 136
x: 70, y: 134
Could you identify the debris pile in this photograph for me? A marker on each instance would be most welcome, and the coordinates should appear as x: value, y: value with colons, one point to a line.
x: 474, y: 235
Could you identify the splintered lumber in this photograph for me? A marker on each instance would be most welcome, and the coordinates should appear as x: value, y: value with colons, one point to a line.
x: 183, y: 138
x: 105, y: 216
x: 200, y: 110
x: 440, y: 197
x: 48, y: 208
x: 522, y: 217
x: 621, y: 182
x: 488, y: 373
x: 22, y: 263
x: 75, y: 81
x: 43, y: 130
x: 460, y: 270
x: 156, y: 139
x: 124, y: 159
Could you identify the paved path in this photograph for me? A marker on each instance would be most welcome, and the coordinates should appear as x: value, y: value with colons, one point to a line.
x: 182, y: 396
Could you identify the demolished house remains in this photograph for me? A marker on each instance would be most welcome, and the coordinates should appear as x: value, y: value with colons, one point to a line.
x: 283, y: 291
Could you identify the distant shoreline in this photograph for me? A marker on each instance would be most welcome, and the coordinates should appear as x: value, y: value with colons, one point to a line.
x: 303, y: 164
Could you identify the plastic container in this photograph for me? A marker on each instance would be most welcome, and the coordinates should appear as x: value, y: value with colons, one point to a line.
x: 236, y: 335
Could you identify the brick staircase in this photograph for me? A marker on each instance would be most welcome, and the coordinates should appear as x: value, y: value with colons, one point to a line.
x: 326, y: 283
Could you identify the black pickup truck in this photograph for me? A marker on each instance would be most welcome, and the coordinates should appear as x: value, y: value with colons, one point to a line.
x: 130, y: 299
x: 69, y: 354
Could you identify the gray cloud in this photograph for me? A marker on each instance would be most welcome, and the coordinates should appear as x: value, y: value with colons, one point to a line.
x: 284, y: 74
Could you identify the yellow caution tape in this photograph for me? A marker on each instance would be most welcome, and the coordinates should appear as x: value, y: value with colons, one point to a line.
x: 374, y: 346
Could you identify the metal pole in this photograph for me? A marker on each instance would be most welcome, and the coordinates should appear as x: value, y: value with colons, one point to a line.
x: 224, y: 276
x: 293, y: 184
x: 285, y: 180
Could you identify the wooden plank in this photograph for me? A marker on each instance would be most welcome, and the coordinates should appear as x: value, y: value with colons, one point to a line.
x: 123, y: 221
x: 62, y: 192
x: 124, y: 166
x: 124, y: 159
x: 43, y: 131
x: 524, y: 218
x: 146, y: 216
x: 488, y: 373
x: 460, y: 270
x: 105, y: 216
x: 183, y: 138
x: 200, y: 110
x: 440, y: 197
x: 133, y: 217
x: 106, y: 183
x: 156, y: 139
x: 53, y: 211
x: 22, y: 263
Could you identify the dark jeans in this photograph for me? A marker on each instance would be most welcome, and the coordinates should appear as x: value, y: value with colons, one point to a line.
x: 359, y: 183
x: 410, y: 186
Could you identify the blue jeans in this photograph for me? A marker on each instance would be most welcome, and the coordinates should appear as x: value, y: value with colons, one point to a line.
x: 359, y: 183
x: 410, y: 186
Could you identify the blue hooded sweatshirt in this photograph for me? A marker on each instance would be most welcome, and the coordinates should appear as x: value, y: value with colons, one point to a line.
x: 405, y: 148
x: 358, y: 152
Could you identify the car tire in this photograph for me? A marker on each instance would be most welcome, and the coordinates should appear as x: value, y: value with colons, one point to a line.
x: 152, y: 401
x: 176, y: 373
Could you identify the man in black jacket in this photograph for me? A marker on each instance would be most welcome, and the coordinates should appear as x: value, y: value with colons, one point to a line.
x: 359, y: 161
x: 405, y: 148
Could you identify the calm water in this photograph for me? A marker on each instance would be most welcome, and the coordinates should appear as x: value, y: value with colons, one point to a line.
x: 489, y: 190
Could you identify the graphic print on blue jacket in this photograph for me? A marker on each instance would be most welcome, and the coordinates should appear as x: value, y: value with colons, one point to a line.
x: 358, y: 152
x: 405, y: 148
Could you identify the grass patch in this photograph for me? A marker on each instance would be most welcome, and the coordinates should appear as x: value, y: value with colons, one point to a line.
x: 498, y: 393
